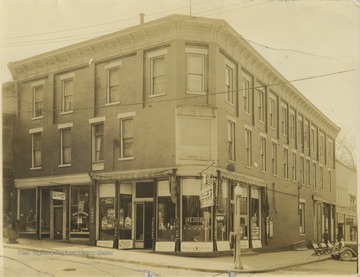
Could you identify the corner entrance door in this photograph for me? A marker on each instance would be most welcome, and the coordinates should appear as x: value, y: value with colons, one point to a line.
x: 58, y: 223
x: 143, y: 225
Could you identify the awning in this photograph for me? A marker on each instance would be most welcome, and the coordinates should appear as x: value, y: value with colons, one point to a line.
x: 133, y: 174
x: 320, y: 199
x: 78, y: 179
x: 241, y: 178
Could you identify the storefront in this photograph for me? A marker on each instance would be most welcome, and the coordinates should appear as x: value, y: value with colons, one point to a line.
x: 171, y: 213
x: 48, y: 209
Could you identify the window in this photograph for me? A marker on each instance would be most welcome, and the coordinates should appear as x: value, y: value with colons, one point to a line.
x: 28, y: 215
x: 196, y: 70
x: 261, y: 93
x: 65, y: 146
x: 247, y: 87
x: 196, y: 221
x: 307, y: 172
x: 284, y: 123
x: 312, y: 139
x: 229, y: 84
x: 272, y: 112
x: 67, y: 95
x: 300, y: 130
x: 113, y: 82
x: 322, y: 145
x: 157, y: 75
x: 314, y: 175
x: 330, y: 181
x: 263, y: 154
x: 302, y: 170
x: 292, y: 125
x: 302, y: 217
x: 36, y: 150
x: 248, y: 148
x: 321, y: 178
x: 306, y: 134
x: 126, y: 138
x: 98, y: 142
x: 274, y: 158
x: 79, y: 209
x: 38, y: 101
x: 330, y: 151
x: 166, y: 212
x: 231, y: 140
x: 286, y: 163
x: 293, y: 168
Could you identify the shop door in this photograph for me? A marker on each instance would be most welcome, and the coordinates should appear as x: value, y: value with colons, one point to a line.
x: 143, y: 226
x: 58, y: 222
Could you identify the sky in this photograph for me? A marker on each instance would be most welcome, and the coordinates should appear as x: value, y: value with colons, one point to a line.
x: 313, y: 43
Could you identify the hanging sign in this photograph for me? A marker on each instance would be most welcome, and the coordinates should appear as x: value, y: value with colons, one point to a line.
x: 207, y: 192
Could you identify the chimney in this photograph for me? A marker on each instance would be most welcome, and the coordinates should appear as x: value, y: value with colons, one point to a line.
x: 142, y: 15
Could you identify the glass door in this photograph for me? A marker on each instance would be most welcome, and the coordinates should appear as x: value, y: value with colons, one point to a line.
x: 143, y: 223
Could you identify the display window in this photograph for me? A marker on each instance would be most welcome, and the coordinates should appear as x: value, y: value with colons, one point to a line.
x: 45, y: 211
x: 222, y: 212
x: 255, y: 214
x: 196, y: 221
x: 79, y: 209
x: 125, y: 211
x: 107, y: 211
x: 166, y: 213
x: 27, y: 212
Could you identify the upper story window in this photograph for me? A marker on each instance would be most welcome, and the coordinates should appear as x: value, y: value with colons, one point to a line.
x: 263, y: 154
x: 36, y: 147
x: 247, y: 88
x: 229, y: 82
x: 231, y: 140
x: 284, y: 119
x: 127, y: 135
x: 272, y: 111
x: 65, y: 144
x: 293, y: 167
x: 113, y: 82
x: 274, y: 157
x: 302, y: 170
x: 261, y: 103
x: 330, y: 151
x: 306, y: 134
x: 330, y: 180
x: 67, y: 91
x: 248, y: 147
x: 156, y: 60
x: 300, y: 130
x: 307, y: 172
x: 286, y: 163
x: 313, y: 139
x: 97, y: 143
x: 314, y: 175
x: 321, y: 176
x: 321, y: 145
x: 292, y: 125
x: 38, y: 99
x: 197, y: 66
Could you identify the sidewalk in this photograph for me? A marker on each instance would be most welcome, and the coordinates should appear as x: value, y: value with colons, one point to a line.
x: 262, y: 262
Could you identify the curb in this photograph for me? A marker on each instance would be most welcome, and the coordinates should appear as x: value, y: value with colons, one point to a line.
x: 153, y: 264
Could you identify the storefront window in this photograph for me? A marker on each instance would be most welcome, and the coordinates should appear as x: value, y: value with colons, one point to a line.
x: 166, y: 213
x: 28, y: 210
x: 80, y: 209
x: 107, y: 211
x: 255, y: 214
x: 125, y: 211
x: 244, y: 230
x: 222, y: 213
x: 196, y: 221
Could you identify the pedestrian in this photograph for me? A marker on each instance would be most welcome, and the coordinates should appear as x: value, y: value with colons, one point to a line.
x: 326, y: 236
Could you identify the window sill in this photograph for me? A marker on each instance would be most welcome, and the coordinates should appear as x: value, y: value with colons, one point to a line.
x: 274, y: 175
x: 67, y: 112
x: 112, y: 104
x: 64, y: 165
x: 126, y: 159
x: 263, y: 171
x: 35, y: 168
x: 229, y: 103
x: 262, y: 122
x: 37, y: 118
x: 157, y: 95
x: 197, y: 93
x: 302, y: 235
x: 249, y: 167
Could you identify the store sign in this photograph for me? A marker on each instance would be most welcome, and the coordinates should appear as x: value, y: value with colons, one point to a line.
x: 207, y: 191
x: 196, y: 246
x: 58, y: 195
x: 223, y: 245
x: 125, y: 244
x: 165, y: 246
x: 105, y: 243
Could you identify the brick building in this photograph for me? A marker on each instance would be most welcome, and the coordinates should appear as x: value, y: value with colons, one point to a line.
x: 142, y: 135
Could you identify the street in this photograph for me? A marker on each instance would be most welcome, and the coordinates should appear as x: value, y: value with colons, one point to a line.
x: 28, y: 263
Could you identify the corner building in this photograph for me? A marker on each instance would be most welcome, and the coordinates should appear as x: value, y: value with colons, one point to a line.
x: 141, y: 136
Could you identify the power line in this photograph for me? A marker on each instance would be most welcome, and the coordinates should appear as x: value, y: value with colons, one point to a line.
x: 209, y: 94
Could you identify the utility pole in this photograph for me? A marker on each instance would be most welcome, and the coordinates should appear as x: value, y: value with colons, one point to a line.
x: 237, y: 255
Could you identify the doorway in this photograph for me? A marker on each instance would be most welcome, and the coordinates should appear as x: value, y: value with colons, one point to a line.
x: 58, y: 222
x: 143, y: 224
